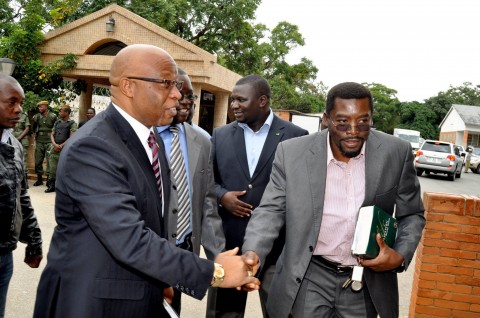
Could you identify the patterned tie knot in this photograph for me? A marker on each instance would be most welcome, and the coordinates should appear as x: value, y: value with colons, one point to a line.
x: 173, y: 129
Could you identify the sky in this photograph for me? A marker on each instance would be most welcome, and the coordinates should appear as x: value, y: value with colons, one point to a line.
x: 417, y: 48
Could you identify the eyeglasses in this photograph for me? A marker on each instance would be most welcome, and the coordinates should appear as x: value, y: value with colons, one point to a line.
x: 168, y: 84
x: 190, y: 96
x: 348, y: 127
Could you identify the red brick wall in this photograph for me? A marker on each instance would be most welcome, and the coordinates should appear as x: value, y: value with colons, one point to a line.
x: 446, y: 282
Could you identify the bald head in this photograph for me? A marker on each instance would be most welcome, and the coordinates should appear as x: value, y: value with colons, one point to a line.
x: 141, y: 78
x: 11, y: 99
x: 7, y: 80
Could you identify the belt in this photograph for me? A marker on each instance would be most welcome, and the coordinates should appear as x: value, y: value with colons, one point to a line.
x: 334, y: 266
x: 43, y: 133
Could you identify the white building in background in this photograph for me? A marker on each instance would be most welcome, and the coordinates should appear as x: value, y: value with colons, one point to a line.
x: 461, y: 126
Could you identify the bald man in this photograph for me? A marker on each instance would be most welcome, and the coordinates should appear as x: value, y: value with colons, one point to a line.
x: 109, y: 256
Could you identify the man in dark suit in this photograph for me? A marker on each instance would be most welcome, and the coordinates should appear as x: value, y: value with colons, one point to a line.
x: 109, y: 256
x: 242, y: 158
x: 205, y: 225
x: 317, y: 186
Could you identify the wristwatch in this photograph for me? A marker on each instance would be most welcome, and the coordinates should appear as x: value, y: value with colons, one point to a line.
x: 218, y: 275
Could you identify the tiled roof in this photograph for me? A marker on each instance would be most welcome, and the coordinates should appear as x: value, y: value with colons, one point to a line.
x: 469, y: 114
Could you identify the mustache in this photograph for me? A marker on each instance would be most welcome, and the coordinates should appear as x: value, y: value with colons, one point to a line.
x: 353, y: 138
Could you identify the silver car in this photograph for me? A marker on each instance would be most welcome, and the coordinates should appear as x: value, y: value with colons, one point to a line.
x: 439, y: 157
x: 475, y: 160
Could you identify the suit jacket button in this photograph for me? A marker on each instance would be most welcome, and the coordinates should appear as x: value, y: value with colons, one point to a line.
x: 310, y: 248
x: 174, y: 211
x: 174, y: 187
x: 298, y: 280
x: 250, y: 186
x: 174, y: 235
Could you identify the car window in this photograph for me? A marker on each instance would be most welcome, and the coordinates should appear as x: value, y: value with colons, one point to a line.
x: 476, y: 151
x: 430, y: 146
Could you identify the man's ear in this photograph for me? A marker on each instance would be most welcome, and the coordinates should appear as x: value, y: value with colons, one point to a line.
x: 263, y: 100
x: 325, y: 120
x: 126, y: 87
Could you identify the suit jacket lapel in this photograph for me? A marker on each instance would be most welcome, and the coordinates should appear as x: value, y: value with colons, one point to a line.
x: 316, y: 162
x: 129, y: 137
x: 238, y: 144
x: 373, y: 160
x: 193, y: 149
x: 275, y: 135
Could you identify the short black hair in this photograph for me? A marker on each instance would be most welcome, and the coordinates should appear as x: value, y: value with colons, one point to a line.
x: 259, y: 83
x: 91, y: 108
x: 348, y: 90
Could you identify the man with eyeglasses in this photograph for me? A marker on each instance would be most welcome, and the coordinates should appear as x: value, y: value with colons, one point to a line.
x: 243, y: 153
x: 109, y: 254
x: 204, y: 223
x: 318, y: 183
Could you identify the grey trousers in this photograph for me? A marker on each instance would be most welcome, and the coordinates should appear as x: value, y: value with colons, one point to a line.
x: 321, y: 295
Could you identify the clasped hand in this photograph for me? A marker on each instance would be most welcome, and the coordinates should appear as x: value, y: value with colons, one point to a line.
x: 387, y: 259
x: 239, y: 271
x: 234, y: 205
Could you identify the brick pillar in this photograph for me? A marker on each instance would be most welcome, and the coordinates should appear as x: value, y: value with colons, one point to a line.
x: 446, y: 282
x: 221, y: 109
x: 85, y: 101
x: 197, y: 90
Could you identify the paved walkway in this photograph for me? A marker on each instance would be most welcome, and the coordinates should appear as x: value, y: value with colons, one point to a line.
x: 22, y: 291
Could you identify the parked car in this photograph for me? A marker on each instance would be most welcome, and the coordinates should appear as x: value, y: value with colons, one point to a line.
x: 439, y: 157
x: 475, y: 160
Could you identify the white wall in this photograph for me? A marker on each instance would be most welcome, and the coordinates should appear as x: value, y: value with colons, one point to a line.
x: 453, y: 123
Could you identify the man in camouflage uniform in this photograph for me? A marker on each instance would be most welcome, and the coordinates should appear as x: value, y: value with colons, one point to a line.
x: 63, y: 129
x: 42, y: 126
x: 21, y: 133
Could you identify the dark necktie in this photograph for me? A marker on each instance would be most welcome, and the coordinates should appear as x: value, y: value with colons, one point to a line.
x: 155, y: 164
x: 177, y: 165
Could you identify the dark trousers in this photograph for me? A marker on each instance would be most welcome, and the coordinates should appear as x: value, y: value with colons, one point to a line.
x: 177, y: 295
x: 6, y: 271
x: 321, y: 295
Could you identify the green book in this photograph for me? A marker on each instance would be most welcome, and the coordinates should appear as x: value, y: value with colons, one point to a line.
x: 372, y: 220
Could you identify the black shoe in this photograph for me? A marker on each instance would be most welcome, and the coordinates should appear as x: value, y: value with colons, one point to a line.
x: 38, y: 183
x: 51, y: 188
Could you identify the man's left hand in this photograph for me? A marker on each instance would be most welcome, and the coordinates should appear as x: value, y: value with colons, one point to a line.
x: 33, y: 260
x: 386, y: 260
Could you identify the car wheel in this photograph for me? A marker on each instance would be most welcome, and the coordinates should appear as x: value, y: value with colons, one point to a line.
x: 451, y: 176
x: 419, y: 172
x: 477, y: 170
x: 459, y: 174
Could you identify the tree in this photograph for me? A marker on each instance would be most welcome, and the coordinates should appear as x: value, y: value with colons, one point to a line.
x: 21, y: 43
x: 418, y: 116
x: 386, y: 107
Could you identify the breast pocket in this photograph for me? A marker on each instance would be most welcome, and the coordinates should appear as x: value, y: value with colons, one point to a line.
x: 386, y: 200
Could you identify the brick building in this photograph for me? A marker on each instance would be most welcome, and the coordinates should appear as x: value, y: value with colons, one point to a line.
x: 461, y: 126
x: 95, y: 39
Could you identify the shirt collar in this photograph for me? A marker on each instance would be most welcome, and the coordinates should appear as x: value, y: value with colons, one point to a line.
x: 6, y: 135
x: 161, y: 129
x: 330, y: 156
x: 267, y: 123
x: 140, y: 129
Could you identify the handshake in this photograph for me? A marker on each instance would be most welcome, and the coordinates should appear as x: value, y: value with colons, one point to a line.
x: 239, y: 270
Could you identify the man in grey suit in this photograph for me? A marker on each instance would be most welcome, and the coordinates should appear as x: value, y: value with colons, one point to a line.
x: 318, y: 183
x: 243, y: 153
x: 205, y: 225
x: 109, y: 256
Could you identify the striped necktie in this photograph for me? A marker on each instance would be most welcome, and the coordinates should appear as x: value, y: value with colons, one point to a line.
x: 177, y: 165
x: 152, y: 143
